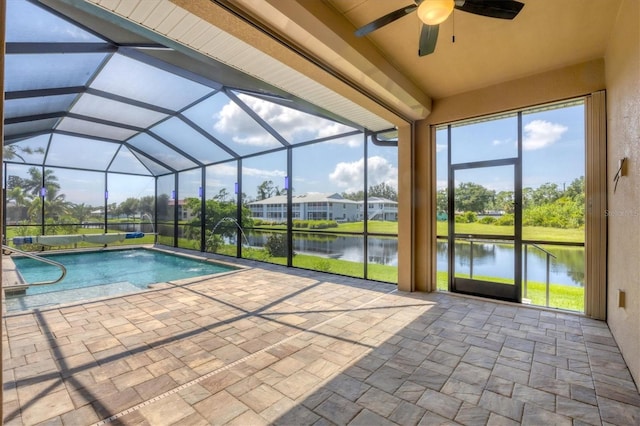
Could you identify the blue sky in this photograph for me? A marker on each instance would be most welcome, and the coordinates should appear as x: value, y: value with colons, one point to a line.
x: 334, y: 166
x: 553, y: 148
x: 553, y: 152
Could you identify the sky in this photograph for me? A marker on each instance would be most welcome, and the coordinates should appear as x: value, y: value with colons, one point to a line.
x: 332, y: 166
x: 553, y: 143
x: 553, y: 151
x: 336, y: 165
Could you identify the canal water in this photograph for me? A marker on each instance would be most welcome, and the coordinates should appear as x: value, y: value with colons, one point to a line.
x: 495, y: 260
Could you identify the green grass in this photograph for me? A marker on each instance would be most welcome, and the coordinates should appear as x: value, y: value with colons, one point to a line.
x: 35, y: 230
x: 560, y: 296
x: 374, y: 226
x: 528, y: 232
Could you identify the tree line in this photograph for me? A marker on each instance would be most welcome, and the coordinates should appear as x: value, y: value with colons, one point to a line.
x: 548, y: 205
x: 28, y: 195
x: 268, y: 189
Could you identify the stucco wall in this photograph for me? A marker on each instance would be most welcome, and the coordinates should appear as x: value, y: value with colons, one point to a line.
x: 564, y: 83
x: 622, y: 74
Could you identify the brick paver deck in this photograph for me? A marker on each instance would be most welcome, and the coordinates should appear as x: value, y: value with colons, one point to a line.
x: 270, y: 345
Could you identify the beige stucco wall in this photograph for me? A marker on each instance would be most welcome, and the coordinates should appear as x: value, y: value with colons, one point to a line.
x: 568, y: 82
x: 622, y: 70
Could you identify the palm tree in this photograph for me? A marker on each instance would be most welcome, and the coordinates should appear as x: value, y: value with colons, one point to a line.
x: 55, y: 204
x: 80, y: 212
x: 33, y: 184
x: 20, y: 199
x: 10, y: 152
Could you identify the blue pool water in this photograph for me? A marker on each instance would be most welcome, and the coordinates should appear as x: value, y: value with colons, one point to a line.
x: 103, y: 273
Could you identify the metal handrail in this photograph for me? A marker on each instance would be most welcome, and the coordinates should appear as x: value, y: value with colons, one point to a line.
x: 547, y: 284
x: 41, y: 259
x: 495, y: 239
x: 477, y: 239
x: 541, y: 249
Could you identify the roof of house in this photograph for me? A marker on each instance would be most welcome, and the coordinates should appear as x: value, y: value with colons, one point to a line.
x: 380, y: 200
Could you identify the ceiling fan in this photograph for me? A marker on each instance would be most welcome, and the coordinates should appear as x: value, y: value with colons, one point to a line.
x: 434, y: 12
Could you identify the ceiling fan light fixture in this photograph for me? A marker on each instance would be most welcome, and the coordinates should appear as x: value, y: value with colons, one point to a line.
x: 434, y: 12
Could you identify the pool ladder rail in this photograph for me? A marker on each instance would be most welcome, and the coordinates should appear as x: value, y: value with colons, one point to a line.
x: 62, y: 268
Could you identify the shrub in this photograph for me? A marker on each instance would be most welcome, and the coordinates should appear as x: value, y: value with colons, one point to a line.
x: 276, y: 245
x: 466, y: 217
x: 213, y: 243
x: 563, y: 213
x: 505, y: 220
x: 315, y: 224
x: 470, y: 217
x: 322, y: 265
x: 487, y: 220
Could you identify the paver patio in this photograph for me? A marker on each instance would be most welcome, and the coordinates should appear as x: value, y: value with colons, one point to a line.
x: 270, y: 345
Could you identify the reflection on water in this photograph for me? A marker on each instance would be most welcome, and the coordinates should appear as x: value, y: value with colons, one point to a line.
x: 383, y: 251
x: 488, y: 259
x: 497, y: 260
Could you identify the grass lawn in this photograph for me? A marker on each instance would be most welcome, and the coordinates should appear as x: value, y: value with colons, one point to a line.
x: 35, y: 230
x: 528, y: 232
x: 560, y: 296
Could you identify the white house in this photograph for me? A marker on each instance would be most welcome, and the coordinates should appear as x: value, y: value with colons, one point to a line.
x: 380, y: 209
x: 311, y: 206
x: 317, y: 206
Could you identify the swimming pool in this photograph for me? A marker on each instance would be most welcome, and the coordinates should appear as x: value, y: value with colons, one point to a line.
x: 103, y: 273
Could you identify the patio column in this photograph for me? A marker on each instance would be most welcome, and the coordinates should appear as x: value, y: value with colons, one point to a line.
x: 416, y: 195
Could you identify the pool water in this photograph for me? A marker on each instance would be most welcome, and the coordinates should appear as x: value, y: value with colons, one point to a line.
x: 103, y: 273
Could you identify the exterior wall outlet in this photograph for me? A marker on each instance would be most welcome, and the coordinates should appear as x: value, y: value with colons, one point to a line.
x: 622, y: 298
x: 622, y: 166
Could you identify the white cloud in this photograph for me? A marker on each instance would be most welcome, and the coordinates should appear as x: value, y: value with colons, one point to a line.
x: 249, y: 171
x: 232, y: 120
x: 440, y: 147
x: 354, y: 141
x: 540, y: 133
x: 350, y: 176
x: 225, y: 169
x: 291, y: 123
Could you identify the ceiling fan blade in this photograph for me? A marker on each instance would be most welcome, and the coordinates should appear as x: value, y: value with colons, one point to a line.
x: 386, y: 19
x: 503, y: 9
x: 428, y: 39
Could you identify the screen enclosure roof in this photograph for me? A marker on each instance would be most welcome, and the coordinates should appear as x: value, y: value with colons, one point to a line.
x: 88, y: 94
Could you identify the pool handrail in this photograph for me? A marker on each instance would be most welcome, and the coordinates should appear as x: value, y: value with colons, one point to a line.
x: 40, y: 259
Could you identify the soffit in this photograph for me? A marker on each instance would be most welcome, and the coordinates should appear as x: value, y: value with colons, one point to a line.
x: 186, y: 29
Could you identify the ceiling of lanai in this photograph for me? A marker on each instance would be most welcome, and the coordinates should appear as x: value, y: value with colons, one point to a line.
x: 546, y: 35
